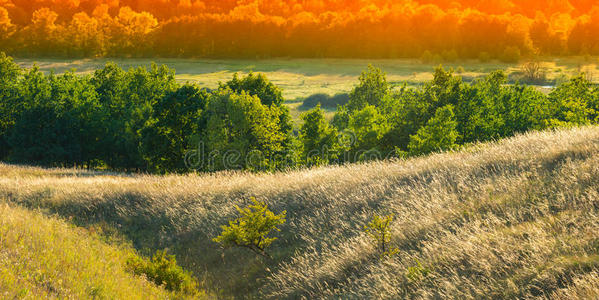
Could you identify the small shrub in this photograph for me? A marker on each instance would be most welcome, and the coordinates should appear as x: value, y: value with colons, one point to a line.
x: 163, y: 270
x: 533, y: 73
x: 251, y: 230
x: 380, y: 231
x: 417, y: 273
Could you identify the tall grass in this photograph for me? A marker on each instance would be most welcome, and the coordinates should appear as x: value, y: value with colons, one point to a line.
x: 509, y: 219
x: 45, y: 258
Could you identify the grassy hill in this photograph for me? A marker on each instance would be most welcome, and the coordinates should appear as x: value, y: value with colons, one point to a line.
x: 45, y: 258
x: 511, y: 219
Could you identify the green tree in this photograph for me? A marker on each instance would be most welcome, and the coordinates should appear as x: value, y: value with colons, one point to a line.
x: 318, y: 138
x: 406, y: 114
x: 176, y: 118
x: 444, y: 89
x: 574, y: 103
x: 10, y: 73
x: 60, y: 123
x: 270, y: 95
x: 439, y: 133
x: 129, y: 98
x: 256, y: 85
x: 371, y: 90
x: 481, y: 110
x: 241, y: 133
x: 252, y: 229
x: 369, y: 126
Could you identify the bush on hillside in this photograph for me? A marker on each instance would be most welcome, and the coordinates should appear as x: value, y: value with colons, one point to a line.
x: 163, y: 270
x: 379, y: 229
x: 251, y: 230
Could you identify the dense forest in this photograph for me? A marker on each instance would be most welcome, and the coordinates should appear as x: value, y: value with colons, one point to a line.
x: 143, y: 120
x: 449, y: 29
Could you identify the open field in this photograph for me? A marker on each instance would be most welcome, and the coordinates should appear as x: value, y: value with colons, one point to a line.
x: 300, y: 78
x: 510, y: 219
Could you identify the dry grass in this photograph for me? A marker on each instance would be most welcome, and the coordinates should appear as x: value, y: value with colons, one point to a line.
x: 512, y: 219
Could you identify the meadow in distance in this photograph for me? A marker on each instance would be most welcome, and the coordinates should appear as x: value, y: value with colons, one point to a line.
x: 315, y: 149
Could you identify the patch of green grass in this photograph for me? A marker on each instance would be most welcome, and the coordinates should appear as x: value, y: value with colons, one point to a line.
x: 43, y: 257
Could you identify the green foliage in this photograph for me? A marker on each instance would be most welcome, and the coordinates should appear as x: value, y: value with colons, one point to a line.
x: 9, y: 104
x: 417, y: 272
x: 439, y: 133
x: 269, y: 95
x: 176, y: 119
x: 251, y: 230
x: 142, y: 120
x: 319, y: 139
x: 369, y: 126
x: 59, y: 123
x: 241, y: 132
x: 163, y: 270
x: 574, y: 102
x: 379, y: 229
x: 371, y: 90
x: 256, y: 85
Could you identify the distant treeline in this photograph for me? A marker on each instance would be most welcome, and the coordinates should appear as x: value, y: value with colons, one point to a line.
x: 143, y: 120
x: 425, y: 29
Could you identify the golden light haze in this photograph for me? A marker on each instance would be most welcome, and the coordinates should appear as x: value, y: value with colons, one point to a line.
x: 309, y: 28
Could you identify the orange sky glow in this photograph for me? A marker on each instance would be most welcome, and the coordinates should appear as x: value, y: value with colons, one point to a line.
x: 373, y: 28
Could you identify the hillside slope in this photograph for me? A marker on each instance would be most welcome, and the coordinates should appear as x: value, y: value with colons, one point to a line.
x: 45, y: 258
x: 512, y: 219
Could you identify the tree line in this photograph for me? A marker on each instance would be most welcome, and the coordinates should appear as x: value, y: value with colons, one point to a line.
x: 448, y: 30
x: 142, y: 120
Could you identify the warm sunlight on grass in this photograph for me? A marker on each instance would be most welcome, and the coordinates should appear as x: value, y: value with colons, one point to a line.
x: 509, y: 219
x: 43, y: 258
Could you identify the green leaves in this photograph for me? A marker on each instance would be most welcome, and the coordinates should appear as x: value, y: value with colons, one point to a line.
x: 438, y: 134
x: 256, y: 85
x: 163, y: 270
x: 379, y: 230
x: 241, y: 132
x: 319, y: 139
x: 176, y: 119
x: 252, y: 228
x: 371, y: 90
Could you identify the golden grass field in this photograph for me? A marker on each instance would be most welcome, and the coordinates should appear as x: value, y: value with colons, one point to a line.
x: 511, y: 219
